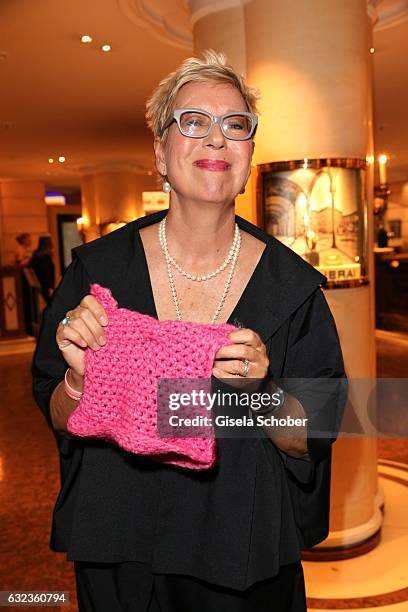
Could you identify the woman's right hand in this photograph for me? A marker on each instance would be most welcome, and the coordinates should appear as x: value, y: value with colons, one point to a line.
x: 85, y: 329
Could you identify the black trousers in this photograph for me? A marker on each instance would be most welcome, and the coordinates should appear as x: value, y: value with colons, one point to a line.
x: 131, y: 587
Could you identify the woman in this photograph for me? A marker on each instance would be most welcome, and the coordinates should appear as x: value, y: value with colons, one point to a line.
x: 44, y: 266
x: 23, y: 259
x: 23, y: 252
x: 145, y: 536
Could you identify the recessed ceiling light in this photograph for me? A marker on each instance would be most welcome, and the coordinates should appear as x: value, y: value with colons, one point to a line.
x: 61, y: 159
x: 106, y: 48
x: 372, y: 50
x: 86, y: 39
x: 50, y: 160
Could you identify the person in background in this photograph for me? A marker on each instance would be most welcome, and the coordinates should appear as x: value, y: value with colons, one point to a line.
x: 44, y: 266
x: 23, y: 250
x: 382, y: 237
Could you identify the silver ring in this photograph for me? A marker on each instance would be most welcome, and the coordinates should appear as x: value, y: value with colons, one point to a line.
x: 65, y: 321
x: 246, y: 368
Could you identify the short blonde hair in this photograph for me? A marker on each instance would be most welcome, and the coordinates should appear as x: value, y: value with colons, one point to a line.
x: 212, y: 66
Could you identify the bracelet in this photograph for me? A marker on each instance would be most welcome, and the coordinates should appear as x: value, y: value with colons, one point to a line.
x: 72, y: 393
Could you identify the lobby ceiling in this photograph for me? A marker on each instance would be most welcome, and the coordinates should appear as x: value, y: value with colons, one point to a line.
x: 60, y: 97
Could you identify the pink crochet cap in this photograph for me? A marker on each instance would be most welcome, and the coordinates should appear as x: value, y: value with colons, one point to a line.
x: 119, y: 400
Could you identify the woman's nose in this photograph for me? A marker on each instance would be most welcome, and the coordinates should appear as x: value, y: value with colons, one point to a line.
x: 215, y: 137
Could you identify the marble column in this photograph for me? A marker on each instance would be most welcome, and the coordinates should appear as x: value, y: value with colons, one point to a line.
x: 220, y: 25
x: 317, y: 104
x: 311, y: 63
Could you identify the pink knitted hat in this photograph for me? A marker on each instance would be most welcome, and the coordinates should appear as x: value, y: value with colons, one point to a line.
x: 119, y: 400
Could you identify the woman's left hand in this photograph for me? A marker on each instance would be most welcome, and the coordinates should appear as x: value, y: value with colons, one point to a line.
x: 229, y: 360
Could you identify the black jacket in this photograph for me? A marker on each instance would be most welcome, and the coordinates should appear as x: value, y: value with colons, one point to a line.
x: 236, y: 523
x: 44, y: 268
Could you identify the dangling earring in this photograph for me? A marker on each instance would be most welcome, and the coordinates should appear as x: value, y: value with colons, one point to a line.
x: 166, y: 186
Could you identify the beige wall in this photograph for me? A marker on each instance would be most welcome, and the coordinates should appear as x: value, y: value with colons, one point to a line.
x: 22, y: 209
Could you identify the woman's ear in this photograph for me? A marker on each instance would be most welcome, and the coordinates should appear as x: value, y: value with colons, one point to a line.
x: 159, y: 156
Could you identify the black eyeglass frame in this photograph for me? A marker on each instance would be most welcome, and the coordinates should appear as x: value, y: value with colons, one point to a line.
x: 176, y: 115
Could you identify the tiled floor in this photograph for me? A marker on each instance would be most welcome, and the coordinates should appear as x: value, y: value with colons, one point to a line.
x: 29, y: 477
x: 29, y: 484
x: 379, y: 577
x: 378, y: 580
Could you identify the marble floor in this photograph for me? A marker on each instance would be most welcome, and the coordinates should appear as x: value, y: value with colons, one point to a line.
x: 29, y: 476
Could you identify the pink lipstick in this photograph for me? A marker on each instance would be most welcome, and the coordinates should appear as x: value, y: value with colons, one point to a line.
x: 214, y: 165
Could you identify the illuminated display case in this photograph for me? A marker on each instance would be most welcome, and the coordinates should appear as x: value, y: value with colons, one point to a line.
x: 317, y: 207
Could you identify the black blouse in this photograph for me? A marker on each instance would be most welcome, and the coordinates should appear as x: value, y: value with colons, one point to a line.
x: 238, y: 522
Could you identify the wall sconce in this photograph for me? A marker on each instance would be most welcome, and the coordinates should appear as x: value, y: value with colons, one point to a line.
x: 382, y: 166
x: 381, y: 191
x: 80, y: 227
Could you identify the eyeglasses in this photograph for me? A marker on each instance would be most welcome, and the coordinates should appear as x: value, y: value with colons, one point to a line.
x: 197, y: 123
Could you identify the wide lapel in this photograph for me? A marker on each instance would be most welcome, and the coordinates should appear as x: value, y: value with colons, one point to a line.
x: 138, y: 293
x: 118, y: 261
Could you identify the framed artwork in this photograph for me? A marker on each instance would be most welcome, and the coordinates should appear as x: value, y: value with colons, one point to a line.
x: 68, y: 238
x: 394, y: 226
x: 318, y: 208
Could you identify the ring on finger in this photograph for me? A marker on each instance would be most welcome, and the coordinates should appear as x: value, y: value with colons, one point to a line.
x: 245, y: 368
x: 66, y: 321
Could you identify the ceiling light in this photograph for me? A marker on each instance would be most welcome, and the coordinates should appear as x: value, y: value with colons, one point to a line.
x: 372, y: 50
x: 50, y: 160
x: 86, y: 39
x: 61, y: 159
x: 106, y: 48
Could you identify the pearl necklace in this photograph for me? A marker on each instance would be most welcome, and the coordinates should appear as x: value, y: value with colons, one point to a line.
x: 193, y: 277
x: 163, y: 245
